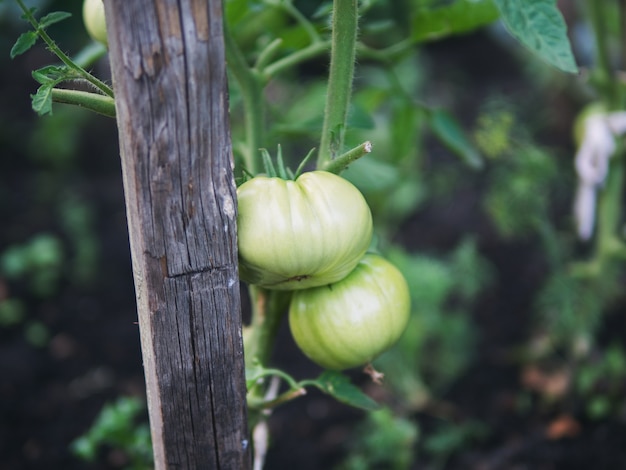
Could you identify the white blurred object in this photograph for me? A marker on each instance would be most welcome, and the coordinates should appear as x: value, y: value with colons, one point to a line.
x: 592, y: 164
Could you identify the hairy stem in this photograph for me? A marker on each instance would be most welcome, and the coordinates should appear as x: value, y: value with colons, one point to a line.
x: 251, y: 86
x: 341, y: 162
x: 96, y: 102
x: 343, y: 53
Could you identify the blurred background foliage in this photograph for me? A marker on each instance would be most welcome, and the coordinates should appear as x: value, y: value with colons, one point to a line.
x: 471, y: 184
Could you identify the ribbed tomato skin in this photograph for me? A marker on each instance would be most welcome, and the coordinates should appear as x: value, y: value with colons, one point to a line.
x: 349, y: 323
x: 303, y: 233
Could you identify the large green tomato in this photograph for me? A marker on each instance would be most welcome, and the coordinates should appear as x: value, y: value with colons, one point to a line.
x: 93, y: 17
x: 299, y: 234
x: 349, y: 323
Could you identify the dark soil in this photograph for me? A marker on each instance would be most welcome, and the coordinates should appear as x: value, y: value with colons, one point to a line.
x: 50, y: 394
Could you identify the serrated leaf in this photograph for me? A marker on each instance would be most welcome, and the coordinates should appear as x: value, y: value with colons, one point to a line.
x: 461, y: 16
x: 539, y: 25
x: 339, y: 387
x: 23, y: 43
x: 450, y: 133
x: 51, y: 74
x: 53, y: 17
x: 42, y: 100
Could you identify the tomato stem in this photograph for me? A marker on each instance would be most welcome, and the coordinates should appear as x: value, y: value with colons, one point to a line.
x: 96, y: 102
x: 251, y: 86
x: 312, y: 50
x: 268, y: 309
x: 342, y: 59
x: 341, y: 162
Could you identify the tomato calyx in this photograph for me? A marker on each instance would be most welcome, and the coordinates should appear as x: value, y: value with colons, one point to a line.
x: 277, y: 169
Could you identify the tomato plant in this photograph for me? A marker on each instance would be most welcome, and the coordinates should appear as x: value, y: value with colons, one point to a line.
x: 303, y: 233
x: 351, y: 322
x: 303, y: 242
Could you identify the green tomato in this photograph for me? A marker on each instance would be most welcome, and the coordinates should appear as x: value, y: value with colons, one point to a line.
x: 93, y: 17
x: 349, y: 323
x: 300, y: 234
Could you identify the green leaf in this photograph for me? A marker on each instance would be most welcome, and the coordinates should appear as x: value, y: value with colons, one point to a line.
x: 339, y: 387
x: 52, y: 74
x: 450, y: 133
x: 42, y: 100
x: 52, y: 18
x: 23, y: 43
x: 458, y: 17
x: 282, y: 172
x: 268, y: 165
x: 539, y: 25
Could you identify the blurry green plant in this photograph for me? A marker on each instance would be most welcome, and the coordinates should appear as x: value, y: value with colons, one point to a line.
x: 116, y: 427
x: 439, y: 342
x: 382, y: 441
x: 600, y: 382
x: 38, y: 263
x: 450, y: 437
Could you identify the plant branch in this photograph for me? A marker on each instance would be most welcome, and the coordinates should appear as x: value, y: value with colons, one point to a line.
x: 279, y: 400
x: 251, y: 85
x: 341, y: 162
x: 96, y: 102
x: 312, y: 50
x: 387, y: 54
x: 103, y: 87
x: 268, y: 309
x: 343, y: 54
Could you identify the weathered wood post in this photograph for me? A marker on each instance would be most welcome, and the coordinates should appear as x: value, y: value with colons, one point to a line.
x: 168, y: 65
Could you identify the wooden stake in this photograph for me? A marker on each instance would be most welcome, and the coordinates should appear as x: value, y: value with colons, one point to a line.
x: 169, y: 75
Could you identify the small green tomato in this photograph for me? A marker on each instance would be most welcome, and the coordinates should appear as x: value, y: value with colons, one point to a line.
x: 93, y: 17
x: 300, y: 234
x: 349, y: 323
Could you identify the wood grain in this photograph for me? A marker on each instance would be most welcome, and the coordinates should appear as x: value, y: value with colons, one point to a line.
x: 169, y: 76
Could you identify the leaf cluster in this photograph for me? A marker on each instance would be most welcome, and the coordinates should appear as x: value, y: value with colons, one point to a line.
x: 49, y: 77
x: 116, y: 426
